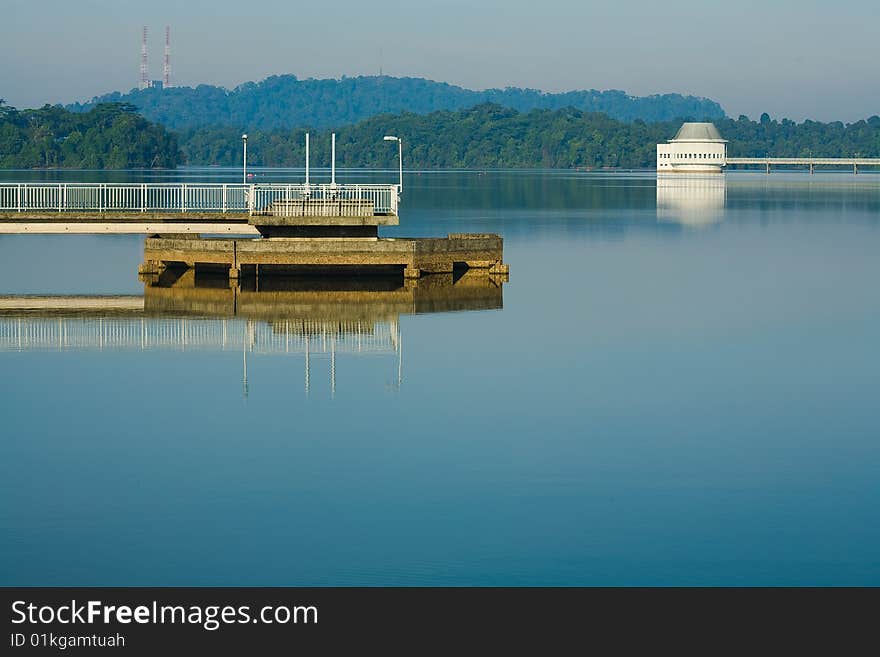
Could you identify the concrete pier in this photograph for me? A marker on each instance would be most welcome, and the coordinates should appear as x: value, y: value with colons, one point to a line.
x: 300, y: 226
x: 411, y: 257
x: 40, y: 222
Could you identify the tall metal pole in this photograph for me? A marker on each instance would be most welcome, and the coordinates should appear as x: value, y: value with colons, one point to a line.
x: 244, y: 160
x: 333, y: 160
x: 399, y: 159
x: 307, y: 162
x: 400, y: 162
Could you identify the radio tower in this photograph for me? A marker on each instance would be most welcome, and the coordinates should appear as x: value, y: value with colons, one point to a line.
x: 145, y: 74
x: 166, y: 68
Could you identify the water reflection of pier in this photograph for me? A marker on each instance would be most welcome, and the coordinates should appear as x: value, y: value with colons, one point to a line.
x: 313, y: 318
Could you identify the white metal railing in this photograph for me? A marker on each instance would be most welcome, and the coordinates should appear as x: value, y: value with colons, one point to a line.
x: 185, y: 197
x: 272, y: 198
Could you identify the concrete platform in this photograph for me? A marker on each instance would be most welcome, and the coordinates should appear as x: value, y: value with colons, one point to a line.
x: 282, y: 218
x: 411, y: 256
x: 126, y: 223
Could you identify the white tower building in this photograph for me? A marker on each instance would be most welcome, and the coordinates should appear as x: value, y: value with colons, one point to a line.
x: 696, y: 148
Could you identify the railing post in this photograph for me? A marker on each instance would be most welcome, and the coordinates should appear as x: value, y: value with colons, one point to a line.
x: 183, y: 197
x: 224, y: 197
x: 143, y: 197
x: 101, y: 197
x: 19, y: 197
x: 59, y: 197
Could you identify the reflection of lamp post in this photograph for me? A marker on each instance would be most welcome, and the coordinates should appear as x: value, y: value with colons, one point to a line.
x: 399, y: 158
x: 244, y: 159
x: 244, y: 357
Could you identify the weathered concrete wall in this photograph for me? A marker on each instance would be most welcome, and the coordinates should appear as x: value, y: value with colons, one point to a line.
x: 416, y: 255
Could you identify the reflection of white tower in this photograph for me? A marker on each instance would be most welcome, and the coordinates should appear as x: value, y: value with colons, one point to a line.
x: 696, y: 148
x: 691, y: 200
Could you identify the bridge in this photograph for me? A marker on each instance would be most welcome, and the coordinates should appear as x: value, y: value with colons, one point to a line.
x: 811, y: 162
x: 210, y: 208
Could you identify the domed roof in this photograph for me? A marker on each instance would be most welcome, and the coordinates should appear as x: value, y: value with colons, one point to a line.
x: 698, y: 132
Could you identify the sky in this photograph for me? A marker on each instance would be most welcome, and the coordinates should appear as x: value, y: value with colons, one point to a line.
x: 791, y: 58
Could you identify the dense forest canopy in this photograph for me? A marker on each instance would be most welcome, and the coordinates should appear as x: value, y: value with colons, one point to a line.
x: 491, y: 136
x: 109, y: 136
x: 285, y: 101
x: 115, y: 136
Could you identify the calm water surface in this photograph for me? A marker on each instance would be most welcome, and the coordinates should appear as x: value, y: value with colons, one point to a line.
x: 678, y: 385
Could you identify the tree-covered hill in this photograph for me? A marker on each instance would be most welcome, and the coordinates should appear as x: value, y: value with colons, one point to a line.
x: 114, y: 136
x: 109, y: 136
x: 491, y: 136
x: 287, y: 102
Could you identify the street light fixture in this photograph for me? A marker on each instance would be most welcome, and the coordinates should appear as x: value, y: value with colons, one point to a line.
x: 244, y: 159
x: 399, y: 159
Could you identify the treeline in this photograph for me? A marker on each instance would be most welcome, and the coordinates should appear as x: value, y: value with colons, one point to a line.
x: 115, y: 136
x: 285, y: 102
x: 109, y: 136
x: 491, y: 136
x: 486, y: 136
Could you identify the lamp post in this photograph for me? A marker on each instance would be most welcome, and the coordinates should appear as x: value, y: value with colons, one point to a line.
x: 333, y: 160
x: 399, y: 159
x: 307, y: 164
x: 244, y: 159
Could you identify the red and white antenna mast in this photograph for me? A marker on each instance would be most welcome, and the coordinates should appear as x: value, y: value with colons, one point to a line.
x: 145, y: 74
x: 166, y: 68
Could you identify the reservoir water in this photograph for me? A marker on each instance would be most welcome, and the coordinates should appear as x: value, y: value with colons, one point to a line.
x: 677, y: 385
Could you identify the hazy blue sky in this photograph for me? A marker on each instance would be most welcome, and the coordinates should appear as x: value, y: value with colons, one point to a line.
x: 796, y: 58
